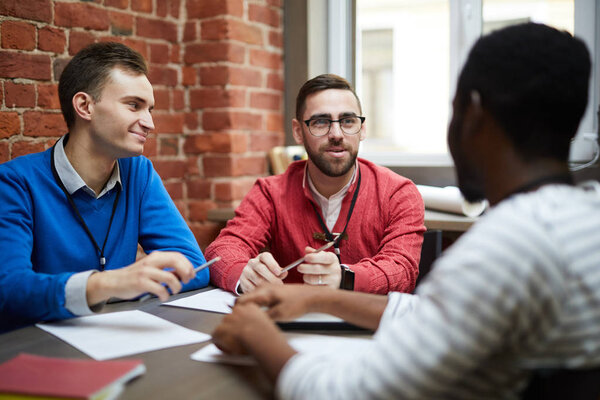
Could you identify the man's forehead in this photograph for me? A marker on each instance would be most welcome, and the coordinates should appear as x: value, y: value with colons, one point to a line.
x: 332, y: 102
x: 126, y: 83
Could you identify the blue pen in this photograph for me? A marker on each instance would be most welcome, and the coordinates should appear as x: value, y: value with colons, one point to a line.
x: 199, y: 268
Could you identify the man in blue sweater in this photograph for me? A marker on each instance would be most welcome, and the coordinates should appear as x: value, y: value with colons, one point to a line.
x: 71, y: 217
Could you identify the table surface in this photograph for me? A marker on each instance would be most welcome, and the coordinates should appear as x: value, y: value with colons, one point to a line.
x: 170, y: 373
x: 433, y: 219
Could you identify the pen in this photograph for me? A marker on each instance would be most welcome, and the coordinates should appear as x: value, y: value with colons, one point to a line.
x: 196, y: 270
x: 301, y: 260
x: 206, y: 264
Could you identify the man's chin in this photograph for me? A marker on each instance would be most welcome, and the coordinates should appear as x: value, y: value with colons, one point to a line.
x: 472, y: 194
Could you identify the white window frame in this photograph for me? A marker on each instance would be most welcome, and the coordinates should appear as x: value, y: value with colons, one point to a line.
x: 465, y: 27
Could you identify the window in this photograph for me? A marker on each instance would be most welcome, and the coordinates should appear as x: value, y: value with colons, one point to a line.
x: 408, y: 54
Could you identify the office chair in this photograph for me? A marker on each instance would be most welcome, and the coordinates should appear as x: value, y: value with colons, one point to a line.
x: 430, y: 250
x: 560, y: 384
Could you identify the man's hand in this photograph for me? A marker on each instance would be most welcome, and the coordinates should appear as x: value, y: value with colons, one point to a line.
x: 260, y: 270
x: 248, y: 330
x: 144, y: 276
x: 322, y: 268
x: 245, y: 324
x: 287, y: 302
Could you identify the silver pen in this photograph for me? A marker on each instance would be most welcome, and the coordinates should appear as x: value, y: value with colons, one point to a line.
x: 301, y: 260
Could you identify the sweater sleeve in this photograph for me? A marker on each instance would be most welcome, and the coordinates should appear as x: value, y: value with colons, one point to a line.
x: 26, y: 296
x: 395, y: 265
x: 163, y: 228
x: 243, y: 238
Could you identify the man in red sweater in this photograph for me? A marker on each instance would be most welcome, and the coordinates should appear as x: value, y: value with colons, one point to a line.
x: 377, y: 214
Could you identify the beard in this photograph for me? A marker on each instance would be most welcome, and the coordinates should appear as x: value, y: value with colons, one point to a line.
x: 336, y: 167
x: 470, y: 183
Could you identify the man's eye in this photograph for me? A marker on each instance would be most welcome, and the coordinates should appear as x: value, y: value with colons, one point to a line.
x: 134, y: 106
x: 349, y: 121
x: 320, y: 122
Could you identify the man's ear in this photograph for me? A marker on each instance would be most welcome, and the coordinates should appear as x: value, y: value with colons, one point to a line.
x: 297, y: 131
x: 474, y: 116
x: 363, y: 131
x: 83, y: 105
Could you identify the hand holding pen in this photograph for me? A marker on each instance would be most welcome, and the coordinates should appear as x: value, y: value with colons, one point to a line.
x: 264, y: 269
x: 197, y: 269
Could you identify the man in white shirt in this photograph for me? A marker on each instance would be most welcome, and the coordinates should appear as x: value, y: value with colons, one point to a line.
x: 516, y: 293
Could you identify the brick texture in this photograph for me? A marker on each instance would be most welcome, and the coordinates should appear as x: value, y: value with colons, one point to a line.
x: 216, y: 67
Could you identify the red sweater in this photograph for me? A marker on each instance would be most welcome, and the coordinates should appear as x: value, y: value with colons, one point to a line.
x: 385, y: 231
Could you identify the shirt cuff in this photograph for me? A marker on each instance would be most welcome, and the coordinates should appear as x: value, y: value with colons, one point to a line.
x: 75, y: 296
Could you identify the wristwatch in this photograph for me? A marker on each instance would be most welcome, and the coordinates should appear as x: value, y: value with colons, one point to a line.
x: 347, y: 282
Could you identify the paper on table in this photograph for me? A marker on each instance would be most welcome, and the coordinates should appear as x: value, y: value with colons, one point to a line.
x: 220, y: 301
x: 216, y: 300
x: 112, y: 335
x: 451, y: 200
x: 302, y: 343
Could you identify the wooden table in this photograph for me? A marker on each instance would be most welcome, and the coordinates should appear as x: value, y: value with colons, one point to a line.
x: 171, y: 373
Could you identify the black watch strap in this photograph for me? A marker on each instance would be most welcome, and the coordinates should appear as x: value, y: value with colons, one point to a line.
x: 347, y: 281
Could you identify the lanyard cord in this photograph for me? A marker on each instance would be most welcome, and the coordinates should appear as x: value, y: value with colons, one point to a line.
x: 85, y: 227
x: 328, y: 234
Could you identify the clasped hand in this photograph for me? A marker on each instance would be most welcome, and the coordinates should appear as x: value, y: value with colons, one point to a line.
x: 319, y: 268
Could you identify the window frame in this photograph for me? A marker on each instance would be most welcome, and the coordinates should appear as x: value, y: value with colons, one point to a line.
x: 466, y: 22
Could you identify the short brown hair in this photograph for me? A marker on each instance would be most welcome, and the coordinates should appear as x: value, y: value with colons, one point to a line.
x: 89, y: 70
x: 318, y: 84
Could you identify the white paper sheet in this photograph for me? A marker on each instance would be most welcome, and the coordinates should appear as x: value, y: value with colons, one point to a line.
x: 302, y: 343
x: 112, y: 335
x: 220, y: 301
x: 449, y: 199
x: 216, y: 300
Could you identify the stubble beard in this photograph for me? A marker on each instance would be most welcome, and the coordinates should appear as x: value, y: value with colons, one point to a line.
x: 336, y: 167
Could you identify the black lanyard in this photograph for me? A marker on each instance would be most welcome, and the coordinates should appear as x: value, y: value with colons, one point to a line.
x: 329, y: 235
x: 102, y: 259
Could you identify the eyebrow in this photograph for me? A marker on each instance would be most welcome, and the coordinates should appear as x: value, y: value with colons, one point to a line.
x: 327, y: 115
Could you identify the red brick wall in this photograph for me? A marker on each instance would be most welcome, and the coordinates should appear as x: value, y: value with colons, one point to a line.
x: 216, y: 67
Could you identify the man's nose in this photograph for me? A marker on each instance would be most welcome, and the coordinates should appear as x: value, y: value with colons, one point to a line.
x: 335, y: 130
x: 147, y: 122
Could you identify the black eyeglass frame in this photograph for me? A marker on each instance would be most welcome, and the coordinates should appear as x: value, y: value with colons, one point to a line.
x: 331, y: 121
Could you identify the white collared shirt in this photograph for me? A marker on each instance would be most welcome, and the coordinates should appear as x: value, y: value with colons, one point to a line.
x: 330, y: 207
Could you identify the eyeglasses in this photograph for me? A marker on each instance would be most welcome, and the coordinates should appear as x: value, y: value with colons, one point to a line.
x: 320, y: 126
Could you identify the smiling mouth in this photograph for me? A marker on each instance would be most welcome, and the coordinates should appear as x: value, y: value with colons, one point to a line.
x: 141, y: 135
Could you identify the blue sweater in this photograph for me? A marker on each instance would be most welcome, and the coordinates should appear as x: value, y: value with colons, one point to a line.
x: 42, y: 243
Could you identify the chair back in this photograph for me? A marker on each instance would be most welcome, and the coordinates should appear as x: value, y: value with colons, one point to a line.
x: 430, y: 250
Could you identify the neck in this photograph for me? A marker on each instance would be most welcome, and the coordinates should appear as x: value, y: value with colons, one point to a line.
x: 326, y: 185
x: 499, y: 187
x: 94, y: 168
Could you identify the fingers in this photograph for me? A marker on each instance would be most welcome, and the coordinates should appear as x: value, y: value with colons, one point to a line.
x: 177, y: 264
x: 263, y: 296
x: 267, y: 260
x: 259, y: 271
x: 321, y: 268
x: 322, y: 257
